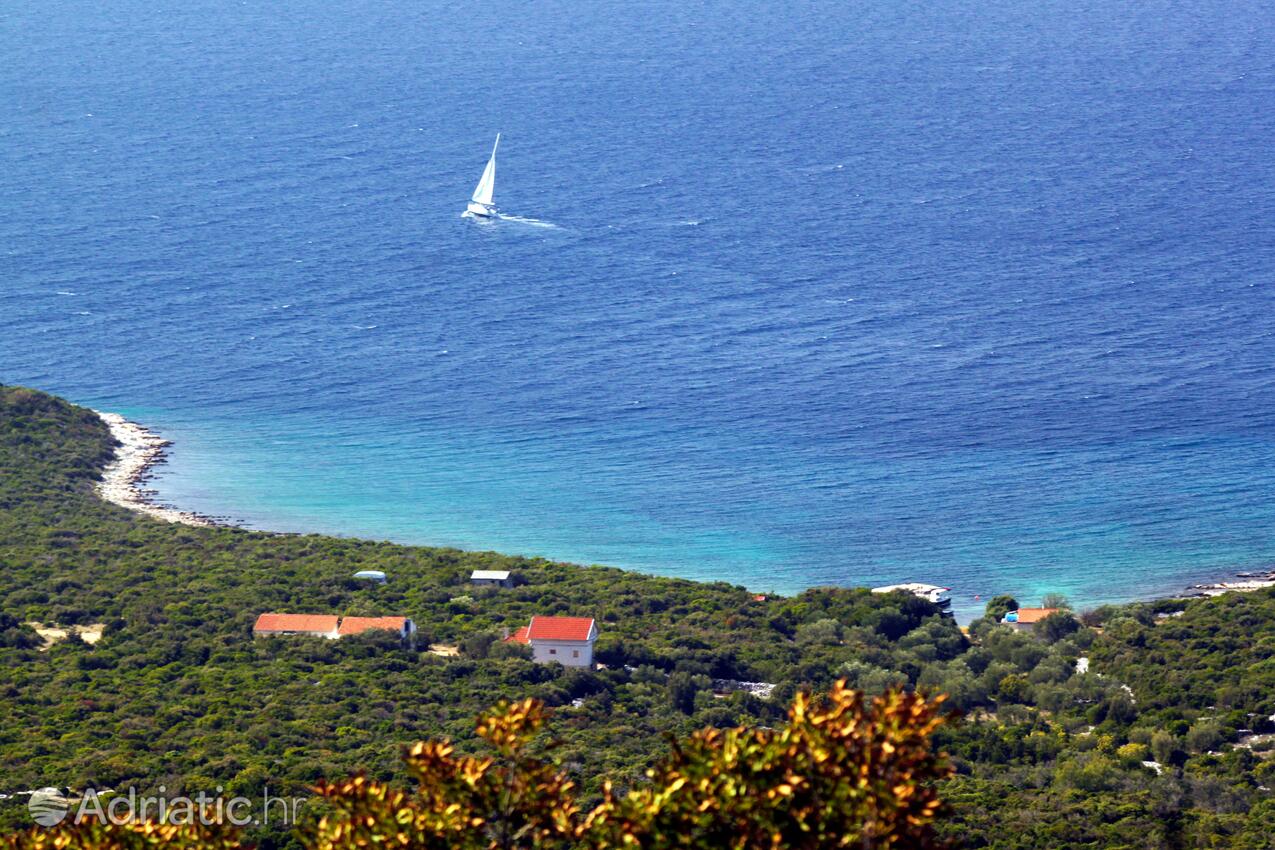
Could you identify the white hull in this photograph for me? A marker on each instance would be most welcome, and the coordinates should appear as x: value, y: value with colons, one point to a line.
x: 480, y: 210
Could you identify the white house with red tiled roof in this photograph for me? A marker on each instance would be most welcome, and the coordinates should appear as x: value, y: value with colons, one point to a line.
x: 318, y: 625
x: 566, y: 640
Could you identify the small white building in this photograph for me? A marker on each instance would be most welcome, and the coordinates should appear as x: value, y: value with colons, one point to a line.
x: 491, y: 578
x: 566, y: 640
x: 371, y: 575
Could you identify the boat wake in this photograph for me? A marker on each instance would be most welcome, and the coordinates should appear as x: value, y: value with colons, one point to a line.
x: 534, y: 222
x: 493, y: 218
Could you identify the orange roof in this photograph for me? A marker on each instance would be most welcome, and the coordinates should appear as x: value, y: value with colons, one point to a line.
x: 560, y: 628
x: 519, y: 636
x: 358, y: 625
x: 1034, y: 615
x: 318, y: 623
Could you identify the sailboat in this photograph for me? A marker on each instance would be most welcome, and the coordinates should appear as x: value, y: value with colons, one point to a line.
x: 480, y: 204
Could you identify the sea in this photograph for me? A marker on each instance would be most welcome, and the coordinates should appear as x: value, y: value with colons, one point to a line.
x: 785, y: 294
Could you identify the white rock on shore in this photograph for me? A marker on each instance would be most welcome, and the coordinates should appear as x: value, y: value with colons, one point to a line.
x: 139, y: 449
x: 1228, y: 586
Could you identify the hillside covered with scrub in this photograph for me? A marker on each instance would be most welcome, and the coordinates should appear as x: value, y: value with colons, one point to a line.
x: 1162, y: 742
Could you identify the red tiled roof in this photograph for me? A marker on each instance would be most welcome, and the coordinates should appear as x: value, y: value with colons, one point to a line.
x: 319, y: 623
x: 560, y: 628
x: 358, y: 625
x: 519, y: 636
x: 1034, y: 615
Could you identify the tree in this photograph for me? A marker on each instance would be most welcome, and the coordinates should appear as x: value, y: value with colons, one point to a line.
x: 845, y: 771
x: 1057, y: 626
x: 1131, y: 752
x: 825, y: 631
x: 1203, y: 736
x: 1012, y: 688
x: 1119, y: 708
x: 477, y: 645
x: 1055, y: 600
x: 1164, y: 747
x: 878, y: 681
x: 999, y: 606
x: 682, y: 688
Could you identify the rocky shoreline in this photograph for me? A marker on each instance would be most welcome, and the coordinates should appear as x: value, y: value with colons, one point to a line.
x: 138, y: 452
x: 141, y: 449
x: 1248, y: 581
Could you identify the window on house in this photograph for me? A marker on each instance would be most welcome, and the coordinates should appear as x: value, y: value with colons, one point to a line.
x: 575, y: 653
x: 553, y: 652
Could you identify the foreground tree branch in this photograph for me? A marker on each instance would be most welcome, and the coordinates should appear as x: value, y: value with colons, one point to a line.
x: 845, y: 771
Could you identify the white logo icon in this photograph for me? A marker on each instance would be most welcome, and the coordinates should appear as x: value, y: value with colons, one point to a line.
x: 48, y: 806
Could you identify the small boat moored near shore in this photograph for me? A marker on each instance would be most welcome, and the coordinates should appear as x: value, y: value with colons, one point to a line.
x: 929, y: 592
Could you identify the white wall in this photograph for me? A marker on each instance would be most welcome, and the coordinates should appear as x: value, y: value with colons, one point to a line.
x: 568, y: 653
x: 332, y: 635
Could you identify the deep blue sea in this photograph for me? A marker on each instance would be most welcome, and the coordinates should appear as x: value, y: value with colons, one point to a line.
x: 803, y: 293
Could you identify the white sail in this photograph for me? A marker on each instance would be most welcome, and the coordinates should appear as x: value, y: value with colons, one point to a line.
x: 486, y: 187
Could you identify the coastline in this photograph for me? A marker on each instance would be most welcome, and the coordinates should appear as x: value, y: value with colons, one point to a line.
x: 1248, y: 581
x: 139, y: 450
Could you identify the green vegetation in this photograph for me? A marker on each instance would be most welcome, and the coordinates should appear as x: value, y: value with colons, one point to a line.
x: 177, y: 691
x: 842, y: 772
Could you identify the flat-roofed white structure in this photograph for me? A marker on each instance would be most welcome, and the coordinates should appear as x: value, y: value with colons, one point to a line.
x: 492, y: 578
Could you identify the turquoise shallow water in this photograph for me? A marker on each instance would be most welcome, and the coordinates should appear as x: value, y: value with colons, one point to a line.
x: 964, y: 293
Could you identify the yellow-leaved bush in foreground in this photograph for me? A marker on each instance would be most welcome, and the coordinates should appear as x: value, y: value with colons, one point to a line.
x: 844, y: 771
